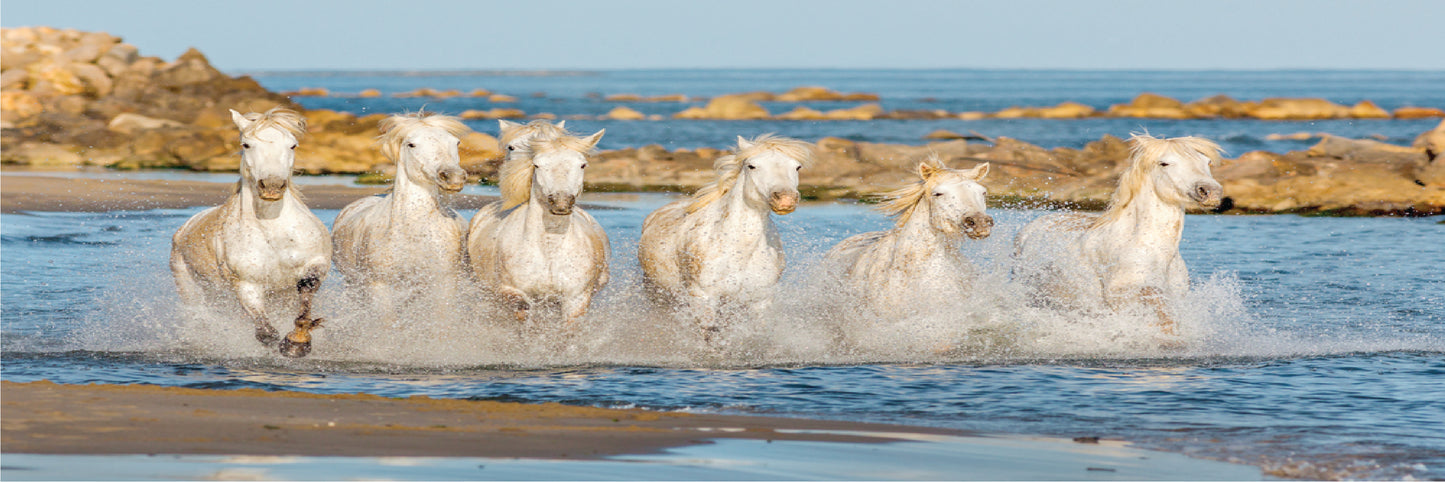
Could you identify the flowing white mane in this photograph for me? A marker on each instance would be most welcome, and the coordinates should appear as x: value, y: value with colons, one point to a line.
x: 537, y: 128
x: 277, y: 117
x: 396, y: 128
x: 516, y: 172
x: 902, y: 202
x: 1146, y: 150
x: 729, y: 167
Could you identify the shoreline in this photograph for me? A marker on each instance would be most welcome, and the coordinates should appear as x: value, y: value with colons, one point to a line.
x: 44, y: 417
x: 66, y: 431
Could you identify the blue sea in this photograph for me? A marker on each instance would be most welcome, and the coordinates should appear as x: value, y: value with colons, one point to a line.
x: 1314, y: 347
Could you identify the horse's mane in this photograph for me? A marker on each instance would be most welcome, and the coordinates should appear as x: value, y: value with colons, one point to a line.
x: 1145, y: 150
x: 539, y: 128
x: 516, y: 171
x: 277, y: 117
x: 394, y: 130
x: 900, y: 203
x: 729, y: 167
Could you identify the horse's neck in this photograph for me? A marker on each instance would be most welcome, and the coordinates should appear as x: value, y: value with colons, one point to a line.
x: 410, y: 200
x: 732, y: 214
x: 1148, y: 219
x: 249, y: 205
x: 539, y: 221
x: 917, y: 234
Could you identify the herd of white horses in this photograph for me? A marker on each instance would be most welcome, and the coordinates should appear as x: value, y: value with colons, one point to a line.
x: 713, y: 257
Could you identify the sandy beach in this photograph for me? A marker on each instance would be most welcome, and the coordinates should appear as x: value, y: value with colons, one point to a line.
x: 38, y: 192
x: 48, y: 418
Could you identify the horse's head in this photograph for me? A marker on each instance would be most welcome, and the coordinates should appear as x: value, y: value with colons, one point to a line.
x: 956, y: 203
x: 268, y: 149
x: 768, y: 171
x: 557, y: 166
x: 1178, y: 168
x: 424, y: 148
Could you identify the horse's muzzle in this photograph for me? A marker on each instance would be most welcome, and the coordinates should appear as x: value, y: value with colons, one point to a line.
x: 977, y: 226
x: 783, y: 202
x: 561, y: 204
x: 272, y: 189
x: 1208, y: 194
x: 451, y: 180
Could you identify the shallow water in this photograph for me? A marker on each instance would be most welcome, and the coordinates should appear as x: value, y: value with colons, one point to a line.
x: 1312, y: 346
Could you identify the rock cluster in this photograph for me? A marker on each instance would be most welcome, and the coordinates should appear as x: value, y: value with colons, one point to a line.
x: 87, y: 98
x: 74, y: 98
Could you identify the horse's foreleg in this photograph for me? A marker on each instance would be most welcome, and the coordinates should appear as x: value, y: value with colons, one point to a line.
x: 1154, y: 298
x: 575, y: 307
x: 297, y: 344
x: 516, y: 300
x: 253, y: 299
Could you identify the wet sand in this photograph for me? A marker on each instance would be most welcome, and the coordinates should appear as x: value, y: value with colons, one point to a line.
x: 48, y: 418
x: 43, y: 193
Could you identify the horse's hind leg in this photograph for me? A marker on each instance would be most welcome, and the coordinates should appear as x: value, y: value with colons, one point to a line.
x: 297, y: 344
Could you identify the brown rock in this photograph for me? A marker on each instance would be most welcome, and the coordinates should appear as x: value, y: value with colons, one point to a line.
x: 944, y: 134
x: 1296, y: 109
x: 479, y: 92
x: 729, y: 107
x: 501, y: 98
x: 1216, y: 106
x: 129, y: 123
x: 18, y: 105
x: 862, y: 112
x: 801, y: 113
x: 1066, y: 110
x: 622, y: 98
x: 190, y: 68
x: 40, y: 154
x: 118, y: 58
x: 1418, y: 112
x: 624, y: 113
x: 1368, y: 110
x: 1150, y: 105
x: 369, y: 93
x: 308, y: 92
x: 495, y: 113
x: 667, y: 98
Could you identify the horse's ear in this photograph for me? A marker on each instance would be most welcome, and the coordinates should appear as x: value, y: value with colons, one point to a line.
x: 980, y: 171
x: 927, y: 170
x: 507, y: 125
x: 240, y: 120
x: 562, y: 124
x: 743, y: 144
x: 592, y: 139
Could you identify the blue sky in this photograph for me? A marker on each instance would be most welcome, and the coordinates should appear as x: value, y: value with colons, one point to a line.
x: 250, y: 35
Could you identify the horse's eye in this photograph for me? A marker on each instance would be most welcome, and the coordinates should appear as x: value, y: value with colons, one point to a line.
x: 1163, y: 164
x: 750, y: 166
x: 293, y: 147
x: 937, y: 194
x: 511, y: 148
x: 800, y: 168
x: 584, y: 165
x: 411, y: 145
x: 245, y: 145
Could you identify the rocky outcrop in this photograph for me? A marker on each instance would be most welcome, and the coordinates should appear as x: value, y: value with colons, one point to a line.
x: 76, y: 98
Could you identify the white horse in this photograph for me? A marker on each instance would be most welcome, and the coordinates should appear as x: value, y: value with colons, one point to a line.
x: 719, y: 251
x: 262, y: 245
x: 1129, y: 254
x: 408, y: 239
x: 918, y: 261
x: 535, y: 245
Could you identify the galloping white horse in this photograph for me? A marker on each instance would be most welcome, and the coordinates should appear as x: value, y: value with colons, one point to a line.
x: 407, y: 238
x: 899, y: 268
x: 719, y: 251
x: 1130, y: 253
x: 262, y: 245
x: 535, y: 245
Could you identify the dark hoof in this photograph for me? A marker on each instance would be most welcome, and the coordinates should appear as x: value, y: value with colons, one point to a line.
x: 267, y: 336
x: 291, y: 349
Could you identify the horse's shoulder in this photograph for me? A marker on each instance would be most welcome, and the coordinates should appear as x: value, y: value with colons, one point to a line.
x: 669, y: 214
x: 359, y: 206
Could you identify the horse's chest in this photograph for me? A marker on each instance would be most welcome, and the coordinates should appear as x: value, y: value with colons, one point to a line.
x: 273, y: 251
x: 556, y: 262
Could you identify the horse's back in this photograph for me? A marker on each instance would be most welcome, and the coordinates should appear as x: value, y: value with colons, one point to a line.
x: 1052, y: 226
x: 348, y: 232
x: 656, y: 248
x: 847, y: 251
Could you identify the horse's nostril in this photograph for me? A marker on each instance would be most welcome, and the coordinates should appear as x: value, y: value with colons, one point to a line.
x: 1203, y: 191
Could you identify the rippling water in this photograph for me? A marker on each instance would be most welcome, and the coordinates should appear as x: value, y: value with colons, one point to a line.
x: 1314, y: 345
